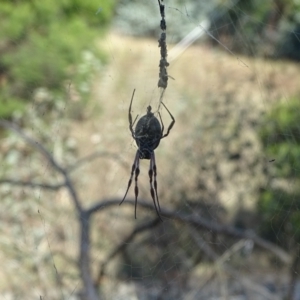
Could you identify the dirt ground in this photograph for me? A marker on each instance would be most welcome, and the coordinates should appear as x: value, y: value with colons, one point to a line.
x: 211, y: 165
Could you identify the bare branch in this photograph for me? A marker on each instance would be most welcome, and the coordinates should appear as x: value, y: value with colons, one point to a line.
x: 90, y: 292
x: 199, y: 222
x: 40, y: 148
x: 32, y: 184
x: 294, y: 274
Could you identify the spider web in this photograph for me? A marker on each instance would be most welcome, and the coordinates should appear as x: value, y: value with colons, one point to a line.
x: 216, y: 177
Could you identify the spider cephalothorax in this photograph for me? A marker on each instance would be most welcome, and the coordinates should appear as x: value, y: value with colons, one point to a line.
x: 147, y: 134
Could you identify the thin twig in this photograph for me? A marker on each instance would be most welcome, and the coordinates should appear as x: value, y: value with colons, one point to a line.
x: 138, y: 229
x: 96, y: 155
x: 220, y: 262
x: 32, y: 184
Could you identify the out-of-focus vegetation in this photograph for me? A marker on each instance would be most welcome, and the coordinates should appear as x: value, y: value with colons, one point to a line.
x: 266, y: 28
x: 45, y: 43
x: 136, y: 17
x: 279, y: 204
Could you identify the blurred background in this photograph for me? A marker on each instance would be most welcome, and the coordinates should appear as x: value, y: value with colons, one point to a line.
x: 231, y: 161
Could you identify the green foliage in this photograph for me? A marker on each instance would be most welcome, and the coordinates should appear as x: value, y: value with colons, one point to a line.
x: 280, y: 136
x: 279, y: 206
x: 7, y: 108
x: 42, y: 43
x: 280, y: 217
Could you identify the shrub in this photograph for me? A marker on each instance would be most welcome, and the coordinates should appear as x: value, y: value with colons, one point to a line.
x: 279, y: 206
x: 41, y: 45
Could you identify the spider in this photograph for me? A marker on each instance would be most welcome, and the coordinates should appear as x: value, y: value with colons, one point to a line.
x: 147, y: 135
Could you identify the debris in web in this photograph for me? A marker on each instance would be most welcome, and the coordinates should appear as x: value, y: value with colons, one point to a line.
x: 163, y: 63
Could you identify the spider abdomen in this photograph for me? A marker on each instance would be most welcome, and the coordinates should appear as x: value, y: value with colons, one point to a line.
x: 147, y: 135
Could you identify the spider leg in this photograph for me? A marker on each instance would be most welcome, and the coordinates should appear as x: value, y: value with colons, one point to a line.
x: 162, y: 124
x: 134, y: 120
x: 134, y: 168
x: 136, y: 188
x: 172, y: 123
x: 153, y: 191
x: 131, y: 128
x: 155, y: 182
x: 130, y: 116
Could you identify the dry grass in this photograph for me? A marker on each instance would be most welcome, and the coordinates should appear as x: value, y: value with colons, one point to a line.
x: 217, y: 99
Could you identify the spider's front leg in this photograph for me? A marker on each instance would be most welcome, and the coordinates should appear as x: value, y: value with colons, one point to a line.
x: 172, y: 123
x: 130, y: 116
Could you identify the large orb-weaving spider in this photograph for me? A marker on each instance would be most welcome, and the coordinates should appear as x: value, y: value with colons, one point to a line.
x: 147, y: 135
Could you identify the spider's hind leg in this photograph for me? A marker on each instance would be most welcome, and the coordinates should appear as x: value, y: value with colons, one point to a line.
x: 153, y: 190
x: 155, y: 182
x: 135, y: 169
